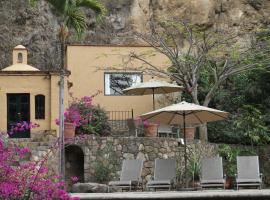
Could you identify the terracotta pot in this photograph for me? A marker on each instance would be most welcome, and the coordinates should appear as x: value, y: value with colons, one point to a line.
x: 229, y: 183
x: 196, y: 184
x: 190, y: 133
x: 69, y: 130
x: 151, y: 130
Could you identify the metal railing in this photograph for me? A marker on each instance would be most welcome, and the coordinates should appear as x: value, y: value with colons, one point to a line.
x: 118, y: 119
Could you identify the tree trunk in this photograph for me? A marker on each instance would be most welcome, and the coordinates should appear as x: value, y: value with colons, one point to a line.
x: 203, y: 133
x: 203, y: 128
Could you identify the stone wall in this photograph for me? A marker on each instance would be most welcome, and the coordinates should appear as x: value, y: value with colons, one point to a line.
x: 40, y: 150
x: 105, y: 154
x: 147, y: 149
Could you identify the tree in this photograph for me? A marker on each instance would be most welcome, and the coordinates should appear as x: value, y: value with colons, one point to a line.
x: 72, y: 16
x: 252, y: 125
x: 198, y: 57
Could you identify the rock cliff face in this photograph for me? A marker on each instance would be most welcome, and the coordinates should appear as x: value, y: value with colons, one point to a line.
x: 36, y: 28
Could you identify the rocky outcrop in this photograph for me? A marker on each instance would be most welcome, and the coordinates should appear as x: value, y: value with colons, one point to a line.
x: 36, y: 28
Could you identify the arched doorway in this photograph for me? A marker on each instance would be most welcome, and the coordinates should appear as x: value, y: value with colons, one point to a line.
x: 74, y: 164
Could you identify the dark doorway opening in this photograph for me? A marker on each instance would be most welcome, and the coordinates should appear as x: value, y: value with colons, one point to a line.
x: 18, y: 110
x: 74, y: 164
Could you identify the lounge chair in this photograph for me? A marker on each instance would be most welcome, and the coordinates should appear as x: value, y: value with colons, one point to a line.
x: 248, y: 172
x: 130, y: 175
x: 164, y: 174
x: 212, y: 173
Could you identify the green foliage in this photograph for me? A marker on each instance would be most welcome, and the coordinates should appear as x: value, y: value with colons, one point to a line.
x: 72, y: 12
x: 98, y: 125
x: 252, y: 125
x: 194, y: 168
x: 252, y: 89
x: 105, y: 164
x: 224, y: 132
x: 195, y: 155
x: 229, y: 154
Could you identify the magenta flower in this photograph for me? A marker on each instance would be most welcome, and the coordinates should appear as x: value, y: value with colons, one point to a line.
x: 29, y: 180
x: 22, y: 126
x: 74, y: 179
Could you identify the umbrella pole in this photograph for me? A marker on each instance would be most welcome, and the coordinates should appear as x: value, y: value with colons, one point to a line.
x: 185, y: 145
x: 153, y: 98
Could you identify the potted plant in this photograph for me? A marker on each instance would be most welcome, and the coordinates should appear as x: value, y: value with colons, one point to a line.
x: 194, y: 169
x: 229, y: 155
x: 93, y: 119
x: 150, y: 129
x: 190, y: 132
x: 84, y: 118
x: 72, y: 119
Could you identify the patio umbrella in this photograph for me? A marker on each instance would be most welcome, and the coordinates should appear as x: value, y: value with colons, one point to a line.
x: 153, y: 87
x: 183, y: 113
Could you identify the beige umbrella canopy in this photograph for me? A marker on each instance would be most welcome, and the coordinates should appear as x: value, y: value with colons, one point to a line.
x: 183, y: 113
x: 153, y: 87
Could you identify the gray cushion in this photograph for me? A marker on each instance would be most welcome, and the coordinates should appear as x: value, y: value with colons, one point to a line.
x: 256, y: 180
x: 163, y: 182
x: 213, y: 181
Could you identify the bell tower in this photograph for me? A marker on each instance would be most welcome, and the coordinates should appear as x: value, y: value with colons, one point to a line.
x: 19, y: 55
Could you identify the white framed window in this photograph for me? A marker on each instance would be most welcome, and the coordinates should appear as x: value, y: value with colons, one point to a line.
x: 115, y: 82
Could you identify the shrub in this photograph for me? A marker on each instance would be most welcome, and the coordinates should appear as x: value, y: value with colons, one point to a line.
x: 86, y: 117
x: 27, y: 180
x: 105, y: 164
x: 229, y: 154
x: 94, y: 120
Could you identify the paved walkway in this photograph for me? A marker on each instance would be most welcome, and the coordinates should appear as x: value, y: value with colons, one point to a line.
x: 206, y: 194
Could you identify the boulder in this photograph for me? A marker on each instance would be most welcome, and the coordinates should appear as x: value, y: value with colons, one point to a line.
x: 89, y: 188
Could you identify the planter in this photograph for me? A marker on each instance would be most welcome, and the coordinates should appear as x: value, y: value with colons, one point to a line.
x: 151, y: 130
x: 229, y: 183
x: 196, y: 185
x: 69, y: 130
x: 190, y: 133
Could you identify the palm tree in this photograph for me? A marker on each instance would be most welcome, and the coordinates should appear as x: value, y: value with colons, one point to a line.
x: 72, y: 16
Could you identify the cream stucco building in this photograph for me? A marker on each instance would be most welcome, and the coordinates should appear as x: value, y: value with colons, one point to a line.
x: 28, y: 94
x: 98, y: 68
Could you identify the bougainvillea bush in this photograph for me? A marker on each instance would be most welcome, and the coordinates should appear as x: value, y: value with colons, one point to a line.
x: 86, y: 117
x: 27, y: 180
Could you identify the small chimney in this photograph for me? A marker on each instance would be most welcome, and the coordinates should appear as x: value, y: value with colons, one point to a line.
x: 19, y: 55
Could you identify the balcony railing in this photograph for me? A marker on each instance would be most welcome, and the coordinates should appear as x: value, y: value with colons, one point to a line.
x: 118, y: 119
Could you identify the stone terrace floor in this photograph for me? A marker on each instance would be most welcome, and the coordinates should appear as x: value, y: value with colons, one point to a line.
x: 189, y: 195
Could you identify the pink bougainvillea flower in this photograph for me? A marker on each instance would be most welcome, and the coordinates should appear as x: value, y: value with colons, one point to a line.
x: 74, y: 179
x: 29, y: 180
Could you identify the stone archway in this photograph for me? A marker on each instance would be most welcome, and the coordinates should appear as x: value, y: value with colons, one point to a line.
x: 74, y: 164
